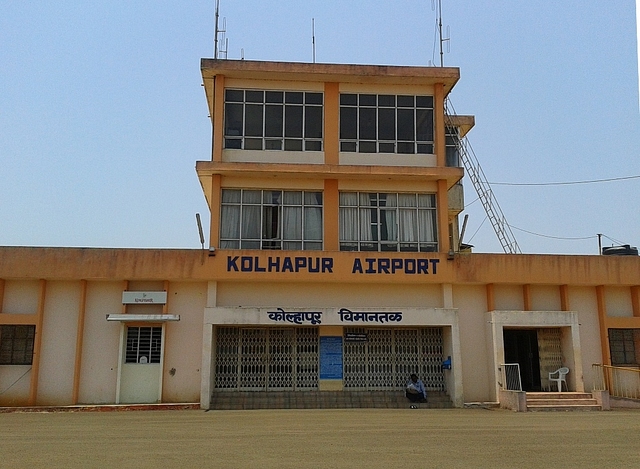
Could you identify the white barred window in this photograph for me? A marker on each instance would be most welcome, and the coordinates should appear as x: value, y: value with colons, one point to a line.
x: 144, y: 345
x: 388, y: 222
x: 16, y: 344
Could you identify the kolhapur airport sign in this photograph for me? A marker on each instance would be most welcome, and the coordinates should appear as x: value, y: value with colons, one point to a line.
x: 325, y: 265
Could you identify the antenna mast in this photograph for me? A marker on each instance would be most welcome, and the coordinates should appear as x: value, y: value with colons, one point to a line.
x: 442, y: 39
x: 313, y: 38
x: 215, y: 34
x: 221, y: 33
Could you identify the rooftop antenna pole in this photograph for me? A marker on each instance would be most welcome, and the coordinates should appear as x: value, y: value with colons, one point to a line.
x: 220, y: 35
x: 215, y: 36
x: 313, y: 38
x: 442, y: 39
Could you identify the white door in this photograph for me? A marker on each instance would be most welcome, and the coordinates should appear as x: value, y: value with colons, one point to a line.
x: 141, y: 365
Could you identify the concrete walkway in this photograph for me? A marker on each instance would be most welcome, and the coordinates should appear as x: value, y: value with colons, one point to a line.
x: 342, y: 438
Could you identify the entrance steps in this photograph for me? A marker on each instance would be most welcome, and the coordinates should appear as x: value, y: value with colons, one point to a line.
x: 541, y: 401
x: 244, y: 400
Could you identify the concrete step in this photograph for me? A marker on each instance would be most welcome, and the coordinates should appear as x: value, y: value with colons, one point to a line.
x: 563, y: 402
x: 558, y: 395
x: 560, y: 407
x: 546, y: 401
x: 321, y: 400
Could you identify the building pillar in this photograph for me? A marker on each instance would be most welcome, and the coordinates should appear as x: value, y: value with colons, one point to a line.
x: 331, y: 123
x: 37, y: 345
x: 217, y: 118
x: 442, y: 205
x: 564, y: 298
x: 491, y: 300
x: 635, y: 301
x: 77, y: 368
x: 526, y: 297
x: 602, y: 320
x: 216, y: 199
x: 207, y: 369
x: 439, y: 133
x: 331, y: 202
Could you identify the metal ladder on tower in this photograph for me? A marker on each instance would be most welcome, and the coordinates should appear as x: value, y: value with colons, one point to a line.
x: 483, y: 189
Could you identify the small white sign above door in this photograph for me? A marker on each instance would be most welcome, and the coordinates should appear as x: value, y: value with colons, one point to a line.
x: 144, y: 297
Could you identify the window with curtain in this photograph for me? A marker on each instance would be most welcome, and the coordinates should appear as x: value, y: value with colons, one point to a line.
x: 271, y: 219
x: 273, y: 120
x: 388, y: 222
x: 378, y: 123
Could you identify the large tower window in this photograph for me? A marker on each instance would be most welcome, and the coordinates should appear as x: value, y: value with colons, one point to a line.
x: 388, y: 222
x: 271, y: 219
x: 371, y: 123
x: 273, y: 120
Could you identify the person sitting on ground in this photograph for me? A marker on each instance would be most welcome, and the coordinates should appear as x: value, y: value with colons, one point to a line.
x: 415, y: 390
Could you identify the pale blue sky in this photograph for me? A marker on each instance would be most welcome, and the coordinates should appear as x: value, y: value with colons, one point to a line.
x: 102, y: 116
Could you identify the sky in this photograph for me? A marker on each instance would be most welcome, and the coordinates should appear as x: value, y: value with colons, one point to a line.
x: 102, y: 113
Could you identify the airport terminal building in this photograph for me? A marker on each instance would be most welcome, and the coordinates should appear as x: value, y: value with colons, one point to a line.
x: 334, y: 266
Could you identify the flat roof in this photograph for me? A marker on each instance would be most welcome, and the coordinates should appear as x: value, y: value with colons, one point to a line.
x: 323, y: 72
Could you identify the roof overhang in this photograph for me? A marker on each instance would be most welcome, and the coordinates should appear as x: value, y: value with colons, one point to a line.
x: 206, y: 169
x: 464, y: 123
x: 330, y: 73
x: 143, y: 317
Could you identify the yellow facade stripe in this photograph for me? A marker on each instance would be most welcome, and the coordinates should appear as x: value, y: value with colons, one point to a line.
x: 79, y: 341
x: 442, y: 205
x: 620, y: 322
x: 635, y: 300
x: 217, y: 118
x: 125, y: 287
x: 26, y: 319
x: 186, y: 264
x: 37, y: 345
x: 165, y: 310
x: 438, y: 110
x: 216, y: 198
x: 602, y: 320
x: 331, y: 123
x: 564, y: 298
x: 331, y: 215
x: 526, y: 297
x: 491, y: 298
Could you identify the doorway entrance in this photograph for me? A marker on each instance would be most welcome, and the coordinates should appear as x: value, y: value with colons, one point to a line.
x: 266, y: 359
x: 521, y: 346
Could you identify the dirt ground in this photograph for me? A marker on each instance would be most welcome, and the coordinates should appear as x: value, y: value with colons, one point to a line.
x: 353, y: 438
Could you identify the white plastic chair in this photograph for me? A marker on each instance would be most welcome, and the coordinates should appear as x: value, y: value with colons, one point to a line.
x: 559, y: 377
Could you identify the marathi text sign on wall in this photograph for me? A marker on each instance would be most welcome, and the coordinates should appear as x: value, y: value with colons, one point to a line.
x: 330, y: 316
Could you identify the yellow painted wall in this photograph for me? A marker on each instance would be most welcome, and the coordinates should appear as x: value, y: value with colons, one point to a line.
x: 508, y: 297
x: 618, y: 301
x: 21, y: 296
x: 183, y: 345
x: 545, y: 298
x: 309, y: 295
x: 583, y: 300
x: 101, y: 341
x: 61, y: 307
x: 14, y: 385
x: 476, y: 359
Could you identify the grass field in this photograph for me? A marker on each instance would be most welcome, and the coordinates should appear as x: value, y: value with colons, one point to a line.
x: 353, y: 438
